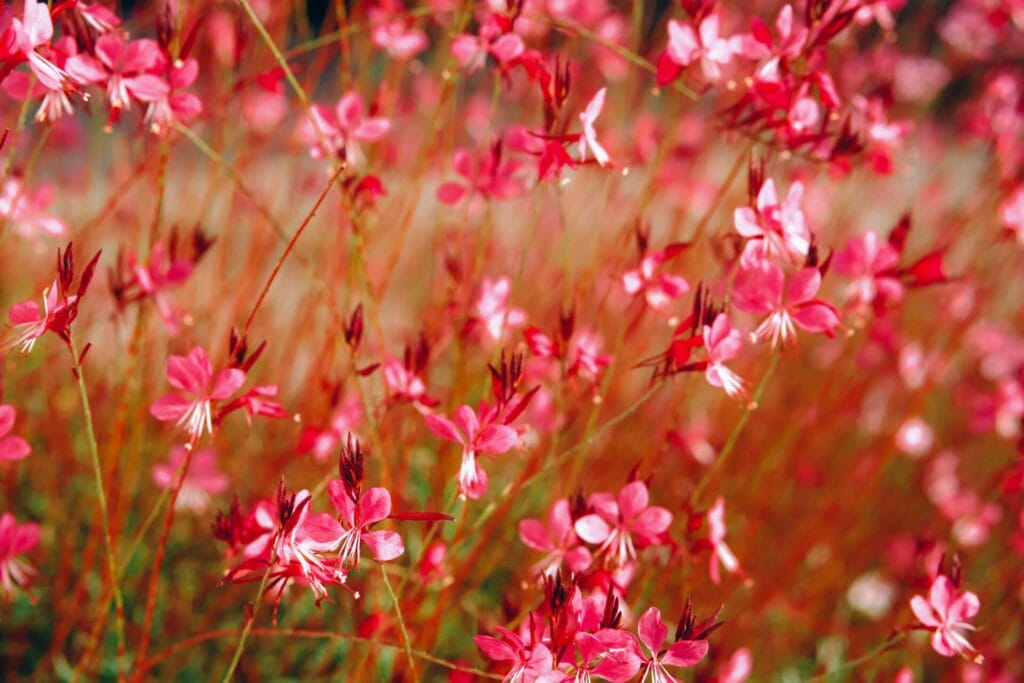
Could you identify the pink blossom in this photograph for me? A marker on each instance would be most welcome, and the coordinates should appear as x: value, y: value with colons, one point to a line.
x: 682, y: 653
x: 357, y: 513
x: 101, y: 19
x: 720, y: 552
x: 759, y: 44
x: 323, y: 443
x: 405, y: 384
x: 476, y: 437
x: 26, y: 209
x: 174, y: 105
x: 557, y: 539
x: 34, y: 323
x: 488, y: 176
x: 157, y: 276
x: 774, y: 230
x: 722, y: 343
x: 737, y: 668
x: 33, y: 31
x: 588, y: 138
x: 471, y: 51
x: 124, y: 68
x: 659, y: 289
x: 762, y: 290
x: 946, y: 612
x: 302, y: 547
x: 530, y: 664
x: 11, y: 447
x: 686, y: 46
x: 337, y: 132
x: 871, y: 263
x: 390, y: 33
x: 202, y: 479
x: 493, y: 311
x: 609, y: 654
x: 585, y: 357
x: 619, y: 524
x: 55, y: 100
x: 193, y: 376
x: 15, y: 540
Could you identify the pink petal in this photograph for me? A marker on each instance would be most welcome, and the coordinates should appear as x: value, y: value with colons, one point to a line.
x: 652, y: 521
x: 14, y: 448
x: 147, y: 87
x: 651, y: 630
x: 24, y: 313
x: 633, y: 499
x: 86, y: 69
x: 592, y: 529
x: 495, y: 649
x: 385, y: 545
x: 685, y: 652
x: 109, y: 48
x: 227, y: 383
x: 923, y: 611
x: 816, y: 316
x: 465, y: 418
x: 341, y: 500
x: 534, y: 535
x: 374, y: 505
x: 442, y: 427
x: 349, y: 110
x: 7, y: 416
x: 170, y: 407
x: 496, y: 439
x: 803, y: 286
x: 451, y: 193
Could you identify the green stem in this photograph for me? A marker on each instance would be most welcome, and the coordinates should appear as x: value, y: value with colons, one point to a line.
x: 401, y: 623
x: 94, y: 456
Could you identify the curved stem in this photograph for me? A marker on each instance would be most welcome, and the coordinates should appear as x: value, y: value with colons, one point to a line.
x: 401, y: 623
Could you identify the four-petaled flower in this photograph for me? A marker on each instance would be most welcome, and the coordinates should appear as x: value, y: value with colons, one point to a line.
x: 476, y: 438
x: 11, y: 447
x: 722, y: 343
x: 773, y: 230
x: 762, y: 290
x: 337, y: 132
x: 618, y: 524
x: 357, y: 514
x: 682, y: 653
x: 946, y: 612
x: 15, y: 540
x: 558, y: 539
x: 193, y: 376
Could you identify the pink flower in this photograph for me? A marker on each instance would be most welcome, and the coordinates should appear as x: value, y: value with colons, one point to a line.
x: 585, y: 357
x: 682, y: 653
x: 659, y: 289
x: 946, y: 612
x: 405, y: 383
x: 486, y: 438
x: 302, y: 548
x: 720, y: 552
x: 393, y: 34
x: 173, y: 105
x: 15, y: 540
x: 55, y: 101
x: 487, y: 176
x: 193, y: 376
x: 616, y: 522
x: 588, y: 138
x: 871, y: 263
x: 493, y: 311
x: 33, y: 324
x: 357, y: 513
x: 157, y: 276
x: 759, y: 43
x: 101, y: 19
x: 471, y: 51
x: 774, y: 230
x: 124, y: 68
x: 686, y: 46
x: 337, y: 132
x: 26, y: 209
x: 11, y: 447
x: 530, y: 664
x: 323, y: 443
x: 32, y: 31
x: 609, y: 653
x: 762, y: 290
x: 558, y: 539
x: 202, y: 480
x: 722, y: 343
x: 737, y: 668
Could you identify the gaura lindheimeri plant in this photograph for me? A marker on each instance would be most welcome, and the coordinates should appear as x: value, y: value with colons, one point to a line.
x: 546, y: 286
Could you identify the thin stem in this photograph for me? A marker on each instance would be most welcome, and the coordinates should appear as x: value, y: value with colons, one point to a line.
x: 240, y: 647
x: 401, y: 623
x: 890, y: 643
x: 94, y: 456
x: 734, y: 435
x: 154, y: 575
x: 288, y: 249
